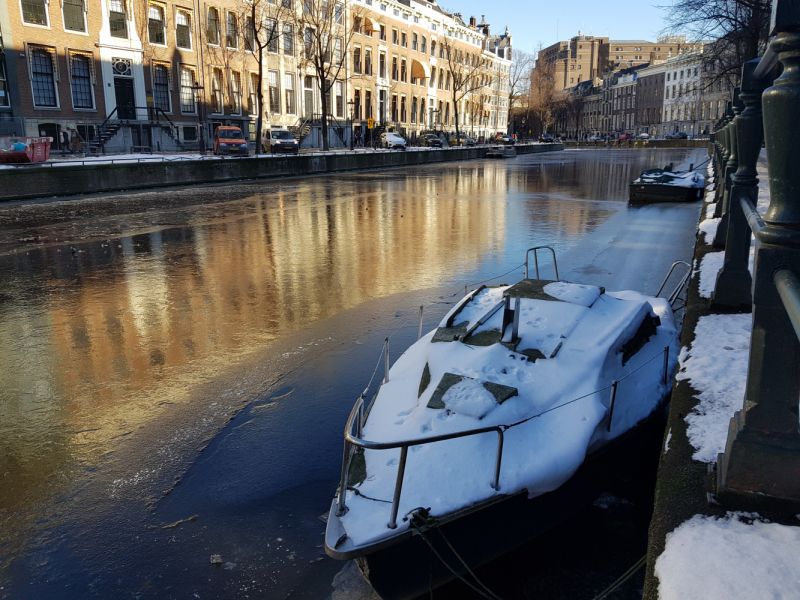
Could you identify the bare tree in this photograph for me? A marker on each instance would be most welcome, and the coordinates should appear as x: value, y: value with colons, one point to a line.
x: 262, y: 31
x: 739, y: 28
x: 519, y: 76
x: 542, y: 96
x: 327, y: 29
x: 466, y: 74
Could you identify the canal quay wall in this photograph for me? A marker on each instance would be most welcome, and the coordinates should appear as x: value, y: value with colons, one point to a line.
x: 66, y: 180
x: 726, y: 519
x: 640, y: 144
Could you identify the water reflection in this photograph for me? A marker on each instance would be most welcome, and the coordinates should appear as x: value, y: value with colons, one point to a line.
x: 127, y: 311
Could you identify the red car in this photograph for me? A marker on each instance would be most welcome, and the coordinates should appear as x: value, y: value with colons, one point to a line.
x: 625, y: 136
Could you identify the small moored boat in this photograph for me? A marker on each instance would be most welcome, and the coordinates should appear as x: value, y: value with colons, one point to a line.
x: 659, y: 185
x: 501, y: 151
x: 495, y: 426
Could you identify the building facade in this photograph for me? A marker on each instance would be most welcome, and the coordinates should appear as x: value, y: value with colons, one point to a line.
x: 163, y: 73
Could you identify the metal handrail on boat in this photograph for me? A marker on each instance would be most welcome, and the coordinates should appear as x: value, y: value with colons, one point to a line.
x: 674, y: 295
x: 536, y: 260
x: 350, y: 441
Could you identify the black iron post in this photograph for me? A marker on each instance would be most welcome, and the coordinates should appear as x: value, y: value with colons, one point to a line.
x: 762, y: 455
x: 351, y: 103
x: 198, y: 99
x: 726, y: 153
x: 734, y: 280
x: 730, y: 168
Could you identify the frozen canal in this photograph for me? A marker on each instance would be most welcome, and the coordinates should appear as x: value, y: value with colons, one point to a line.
x: 176, y: 366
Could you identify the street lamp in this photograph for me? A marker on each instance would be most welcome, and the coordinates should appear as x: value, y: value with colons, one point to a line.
x: 198, y: 99
x: 351, y: 104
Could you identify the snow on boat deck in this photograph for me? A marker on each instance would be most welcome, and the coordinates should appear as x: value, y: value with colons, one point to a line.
x: 539, y: 455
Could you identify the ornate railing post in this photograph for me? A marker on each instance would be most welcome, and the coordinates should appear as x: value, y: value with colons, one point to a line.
x: 734, y: 280
x: 725, y: 152
x: 761, y: 462
x: 730, y: 168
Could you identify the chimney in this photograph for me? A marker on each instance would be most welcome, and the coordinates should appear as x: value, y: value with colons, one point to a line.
x: 473, y: 22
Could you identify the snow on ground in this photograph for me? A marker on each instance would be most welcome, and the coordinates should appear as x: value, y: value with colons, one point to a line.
x: 708, y: 227
x: 539, y: 455
x: 710, y: 210
x: 736, y: 557
x: 710, y: 265
x: 716, y: 367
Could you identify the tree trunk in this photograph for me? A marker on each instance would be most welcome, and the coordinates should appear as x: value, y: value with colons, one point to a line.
x: 324, y: 103
x: 260, y: 91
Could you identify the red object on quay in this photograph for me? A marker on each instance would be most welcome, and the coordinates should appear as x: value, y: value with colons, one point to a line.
x: 37, y: 149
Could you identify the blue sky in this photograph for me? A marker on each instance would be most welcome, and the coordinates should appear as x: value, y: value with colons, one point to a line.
x: 531, y: 22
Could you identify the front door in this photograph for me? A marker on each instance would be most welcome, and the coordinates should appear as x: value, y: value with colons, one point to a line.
x: 309, y: 103
x: 123, y: 90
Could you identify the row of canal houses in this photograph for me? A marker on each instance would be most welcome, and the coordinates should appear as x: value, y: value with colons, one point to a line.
x: 682, y: 94
x: 154, y: 72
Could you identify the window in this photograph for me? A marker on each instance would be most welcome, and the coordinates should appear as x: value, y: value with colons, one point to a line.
x: 272, y: 35
x: 368, y: 62
x: 74, y: 15
x: 183, y: 30
x: 395, y: 38
x: 290, y: 98
x: 212, y: 26
x: 155, y: 25
x: 252, y: 94
x: 433, y: 47
x: 216, y: 90
x: 403, y: 70
x: 189, y: 134
x: 4, y: 91
x: 404, y: 40
x: 422, y: 45
x: 43, y: 78
x: 188, y: 79
x: 81, y: 77
x: 414, y: 109
x: 368, y: 104
x: 236, y: 93
x: 382, y: 66
x: 233, y: 31
x: 403, y: 109
x: 382, y: 106
x: 358, y: 25
x: 309, y: 41
x: 161, y: 87
x: 274, y: 93
x: 34, y: 12
x: 414, y: 41
x: 249, y: 34
x: 394, y: 68
x: 357, y: 61
x: 338, y: 56
x: 441, y: 78
x: 416, y: 18
x: 117, y: 18
x: 357, y: 104
x: 338, y: 13
x: 394, y: 108
x: 383, y: 32
x: 339, y: 99
x: 288, y: 39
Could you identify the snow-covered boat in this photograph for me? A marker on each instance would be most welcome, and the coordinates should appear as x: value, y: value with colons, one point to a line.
x: 495, y: 426
x: 501, y: 151
x: 658, y: 185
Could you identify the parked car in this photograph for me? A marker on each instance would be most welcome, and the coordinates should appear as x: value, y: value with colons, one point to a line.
x: 644, y: 136
x: 389, y: 139
x: 676, y: 135
x: 229, y: 140
x: 462, y: 140
x: 594, y: 138
x: 280, y: 140
x: 506, y: 139
x: 545, y: 137
x: 625, y: 136
x: 431, y: 140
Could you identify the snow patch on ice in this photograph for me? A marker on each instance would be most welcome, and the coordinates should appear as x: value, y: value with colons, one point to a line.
x: 585, y: 295
x: 738, y: 556
x: 716, y: 367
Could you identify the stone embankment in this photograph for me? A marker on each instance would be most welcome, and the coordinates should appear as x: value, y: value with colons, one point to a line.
x: 640, y: 144
x: 66, y: 180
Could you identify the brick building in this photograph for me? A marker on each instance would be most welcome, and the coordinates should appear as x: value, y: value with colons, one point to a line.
x: 151, y: 72
x: 650, y: 99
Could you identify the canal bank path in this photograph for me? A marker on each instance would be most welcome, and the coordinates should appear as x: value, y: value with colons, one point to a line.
x: 178, y: 366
